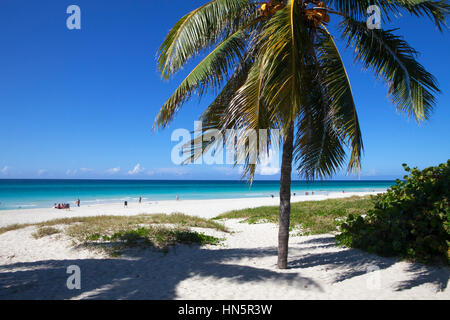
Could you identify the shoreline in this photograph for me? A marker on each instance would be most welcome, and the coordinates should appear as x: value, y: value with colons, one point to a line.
x: 93, y: 199
x: 208, y: 208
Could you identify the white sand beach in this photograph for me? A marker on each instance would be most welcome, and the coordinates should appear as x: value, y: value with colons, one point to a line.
x: 243, y: 267
x: 201, y: 208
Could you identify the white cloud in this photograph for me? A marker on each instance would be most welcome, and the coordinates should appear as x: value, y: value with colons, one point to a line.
x: 269, y: 165
x: 86, y: 170
x: 42, y: 171
x: 5, y: 170
x: 70, y: 172
x: 113, y: 170
x: 268, y: 171
x: 136, y: 170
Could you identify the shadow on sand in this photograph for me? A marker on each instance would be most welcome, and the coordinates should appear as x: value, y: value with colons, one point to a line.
x: 142, y: 274
x: 353, y: 263
x: 147, y: 274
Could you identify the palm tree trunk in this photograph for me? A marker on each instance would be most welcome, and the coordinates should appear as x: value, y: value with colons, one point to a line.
x: 285, y: 198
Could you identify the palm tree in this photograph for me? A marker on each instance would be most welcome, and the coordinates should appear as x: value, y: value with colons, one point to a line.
x: 275, y: 65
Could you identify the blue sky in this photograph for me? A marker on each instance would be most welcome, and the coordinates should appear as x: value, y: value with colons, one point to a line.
x: 81, y: 103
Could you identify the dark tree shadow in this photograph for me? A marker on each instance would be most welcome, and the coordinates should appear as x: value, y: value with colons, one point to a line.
x: 142, y: 274
x: 353, y: 263
x: 149, y: 274
x: 438, y: 276
x: 320, y: 241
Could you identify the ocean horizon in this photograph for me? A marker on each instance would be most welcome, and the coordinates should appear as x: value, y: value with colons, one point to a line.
x: 43, y: 193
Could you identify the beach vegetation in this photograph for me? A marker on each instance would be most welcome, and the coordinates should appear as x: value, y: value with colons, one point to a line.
x: 308, y: 217
x: 160, y: 237
x: 411, y: 220
x: 275, y: 65
x: 13, y: 227
x: 112, y: 233
x: 158, y: 231
x: 104, y: 221
x: 44, y: 232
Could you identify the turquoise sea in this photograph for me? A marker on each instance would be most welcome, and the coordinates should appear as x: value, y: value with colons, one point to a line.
x: 26, y: 194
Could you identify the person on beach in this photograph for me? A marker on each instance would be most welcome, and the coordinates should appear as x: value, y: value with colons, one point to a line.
x: 140, y: 199
x: 78, y: 203
x: 125, y: 204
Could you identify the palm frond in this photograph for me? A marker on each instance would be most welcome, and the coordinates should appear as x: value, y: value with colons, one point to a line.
x: 412, y: 88
x: 357, y: 9
x: 214, y: 117
x: 248, y: 111
x: 337, y: 84
x: 245, y: 112
x: 437, y: 11
x: 210, y: 72
x: 318, y: 147
x: 285, y: 40
x: 278, y: 69
x: 201, y: 28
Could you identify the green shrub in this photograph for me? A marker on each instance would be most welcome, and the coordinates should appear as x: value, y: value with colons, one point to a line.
x: 411, y: 220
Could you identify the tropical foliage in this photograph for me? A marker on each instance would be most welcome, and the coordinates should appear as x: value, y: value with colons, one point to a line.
x: 411, y: 220
x: 275, y: 65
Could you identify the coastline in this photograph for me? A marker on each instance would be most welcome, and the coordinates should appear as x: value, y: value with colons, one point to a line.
x: 208, y: 208
x: 37, y: 194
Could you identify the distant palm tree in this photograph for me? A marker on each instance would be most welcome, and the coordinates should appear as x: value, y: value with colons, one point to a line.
x: 275, y: 65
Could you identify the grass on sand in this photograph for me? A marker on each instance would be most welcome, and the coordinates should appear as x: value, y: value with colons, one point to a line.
x: 115, y: 233
x: 45, y: 231
x: 310, y: 217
